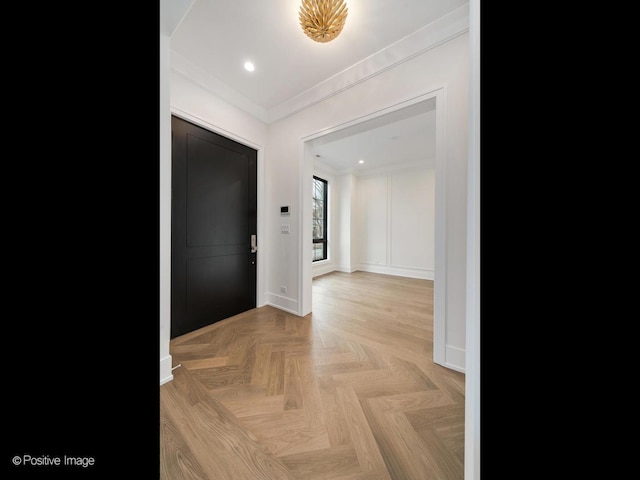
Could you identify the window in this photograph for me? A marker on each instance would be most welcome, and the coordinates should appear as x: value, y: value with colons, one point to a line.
x: 319, y: 219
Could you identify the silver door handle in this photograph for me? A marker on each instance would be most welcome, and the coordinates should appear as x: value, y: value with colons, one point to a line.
x: 254, y: 247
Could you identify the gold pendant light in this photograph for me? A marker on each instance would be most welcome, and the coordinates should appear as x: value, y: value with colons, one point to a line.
x: 322, y: 20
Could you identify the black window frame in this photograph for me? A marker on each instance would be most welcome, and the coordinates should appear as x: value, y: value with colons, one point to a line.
x: 325, y: 201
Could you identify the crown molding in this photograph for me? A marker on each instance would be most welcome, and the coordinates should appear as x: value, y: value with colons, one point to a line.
x: 419, y: 164
x: 426, y: 38
x: 430, y: 36
x: 189, y: 70
x: 423, y: 163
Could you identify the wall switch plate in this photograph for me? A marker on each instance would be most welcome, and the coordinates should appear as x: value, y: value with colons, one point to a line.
x: 284, y: 228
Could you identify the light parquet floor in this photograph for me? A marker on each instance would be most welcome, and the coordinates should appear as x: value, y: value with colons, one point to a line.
x: 349, y: 392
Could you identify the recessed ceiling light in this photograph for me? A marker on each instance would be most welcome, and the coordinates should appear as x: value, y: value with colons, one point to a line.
x: 360, y: 161
x: 249, y: 67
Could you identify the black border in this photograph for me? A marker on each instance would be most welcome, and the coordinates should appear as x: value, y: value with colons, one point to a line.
x: 82, y: 241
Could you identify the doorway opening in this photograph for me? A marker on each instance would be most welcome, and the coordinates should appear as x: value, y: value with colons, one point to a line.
x: 410, y: 112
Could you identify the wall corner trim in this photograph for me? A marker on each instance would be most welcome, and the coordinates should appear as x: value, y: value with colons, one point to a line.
x: 165, y: 370
x: 455, y: 358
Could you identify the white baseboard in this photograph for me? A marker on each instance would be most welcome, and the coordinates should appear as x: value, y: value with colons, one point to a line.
x: 322, y: 269
x: 165, y: 370
x: 422, y: 273
x: 346, y: 269
x: 283, y: 303
x: 455, y: 358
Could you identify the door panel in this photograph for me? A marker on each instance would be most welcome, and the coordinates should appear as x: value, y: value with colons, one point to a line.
x: 213, y: 217
x: 216, y: 195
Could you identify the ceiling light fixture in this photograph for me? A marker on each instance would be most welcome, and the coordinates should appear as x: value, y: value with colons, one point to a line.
x: 249, y: 67
x: 322, y: 20
x: 360, y: 162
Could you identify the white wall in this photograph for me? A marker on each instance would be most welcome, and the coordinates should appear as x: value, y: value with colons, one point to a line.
x: 187, y: 97
x: 165, y: 211
x: 372, y: 220
x: 412, y: 222
x: 382, y: 223
x: 472, y: 377
x: 445, y: 65
x: 347, y: 248
x: 395, y: 221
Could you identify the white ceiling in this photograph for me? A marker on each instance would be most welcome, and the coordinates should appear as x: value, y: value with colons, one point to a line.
x: 405, y: 137
x: 216, y: 37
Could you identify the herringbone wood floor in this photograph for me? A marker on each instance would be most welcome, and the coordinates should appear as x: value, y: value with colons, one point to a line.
x: 348, y: 392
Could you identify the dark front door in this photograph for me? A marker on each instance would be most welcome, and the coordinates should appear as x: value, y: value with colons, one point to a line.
x: 213, y: 216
